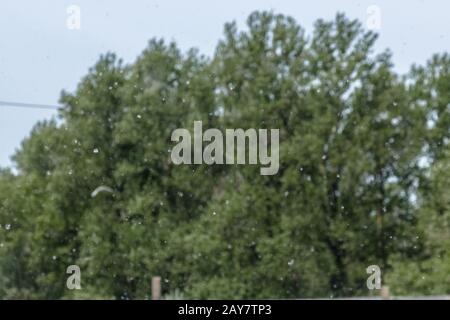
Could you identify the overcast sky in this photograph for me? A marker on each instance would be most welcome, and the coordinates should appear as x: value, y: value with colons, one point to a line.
x: 40, y: 56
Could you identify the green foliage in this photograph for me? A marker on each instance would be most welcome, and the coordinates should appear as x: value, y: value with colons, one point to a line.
x: 351, y: 191
x: 429, y: 272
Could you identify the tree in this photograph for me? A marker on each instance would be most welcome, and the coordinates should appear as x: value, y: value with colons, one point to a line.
x: 351, y: 148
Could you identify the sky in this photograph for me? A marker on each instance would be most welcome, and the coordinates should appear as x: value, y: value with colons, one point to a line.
x: 40, y: 55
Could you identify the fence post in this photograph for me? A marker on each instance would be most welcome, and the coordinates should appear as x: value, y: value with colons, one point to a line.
x: 156, y: 288
x: 385, y: 293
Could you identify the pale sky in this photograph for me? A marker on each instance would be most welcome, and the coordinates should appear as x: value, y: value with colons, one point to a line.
x: 40, y: 56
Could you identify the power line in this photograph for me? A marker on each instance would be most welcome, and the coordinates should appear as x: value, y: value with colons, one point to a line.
x: 29, y: 105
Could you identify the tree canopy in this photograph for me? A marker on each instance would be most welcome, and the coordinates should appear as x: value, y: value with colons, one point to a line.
x: 364, y: 173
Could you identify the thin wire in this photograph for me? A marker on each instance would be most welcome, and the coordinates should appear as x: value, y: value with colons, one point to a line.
x: 29, y: 105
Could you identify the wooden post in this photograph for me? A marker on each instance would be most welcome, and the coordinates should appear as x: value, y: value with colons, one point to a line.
x: 385, y: 293
x: 156, y: 288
